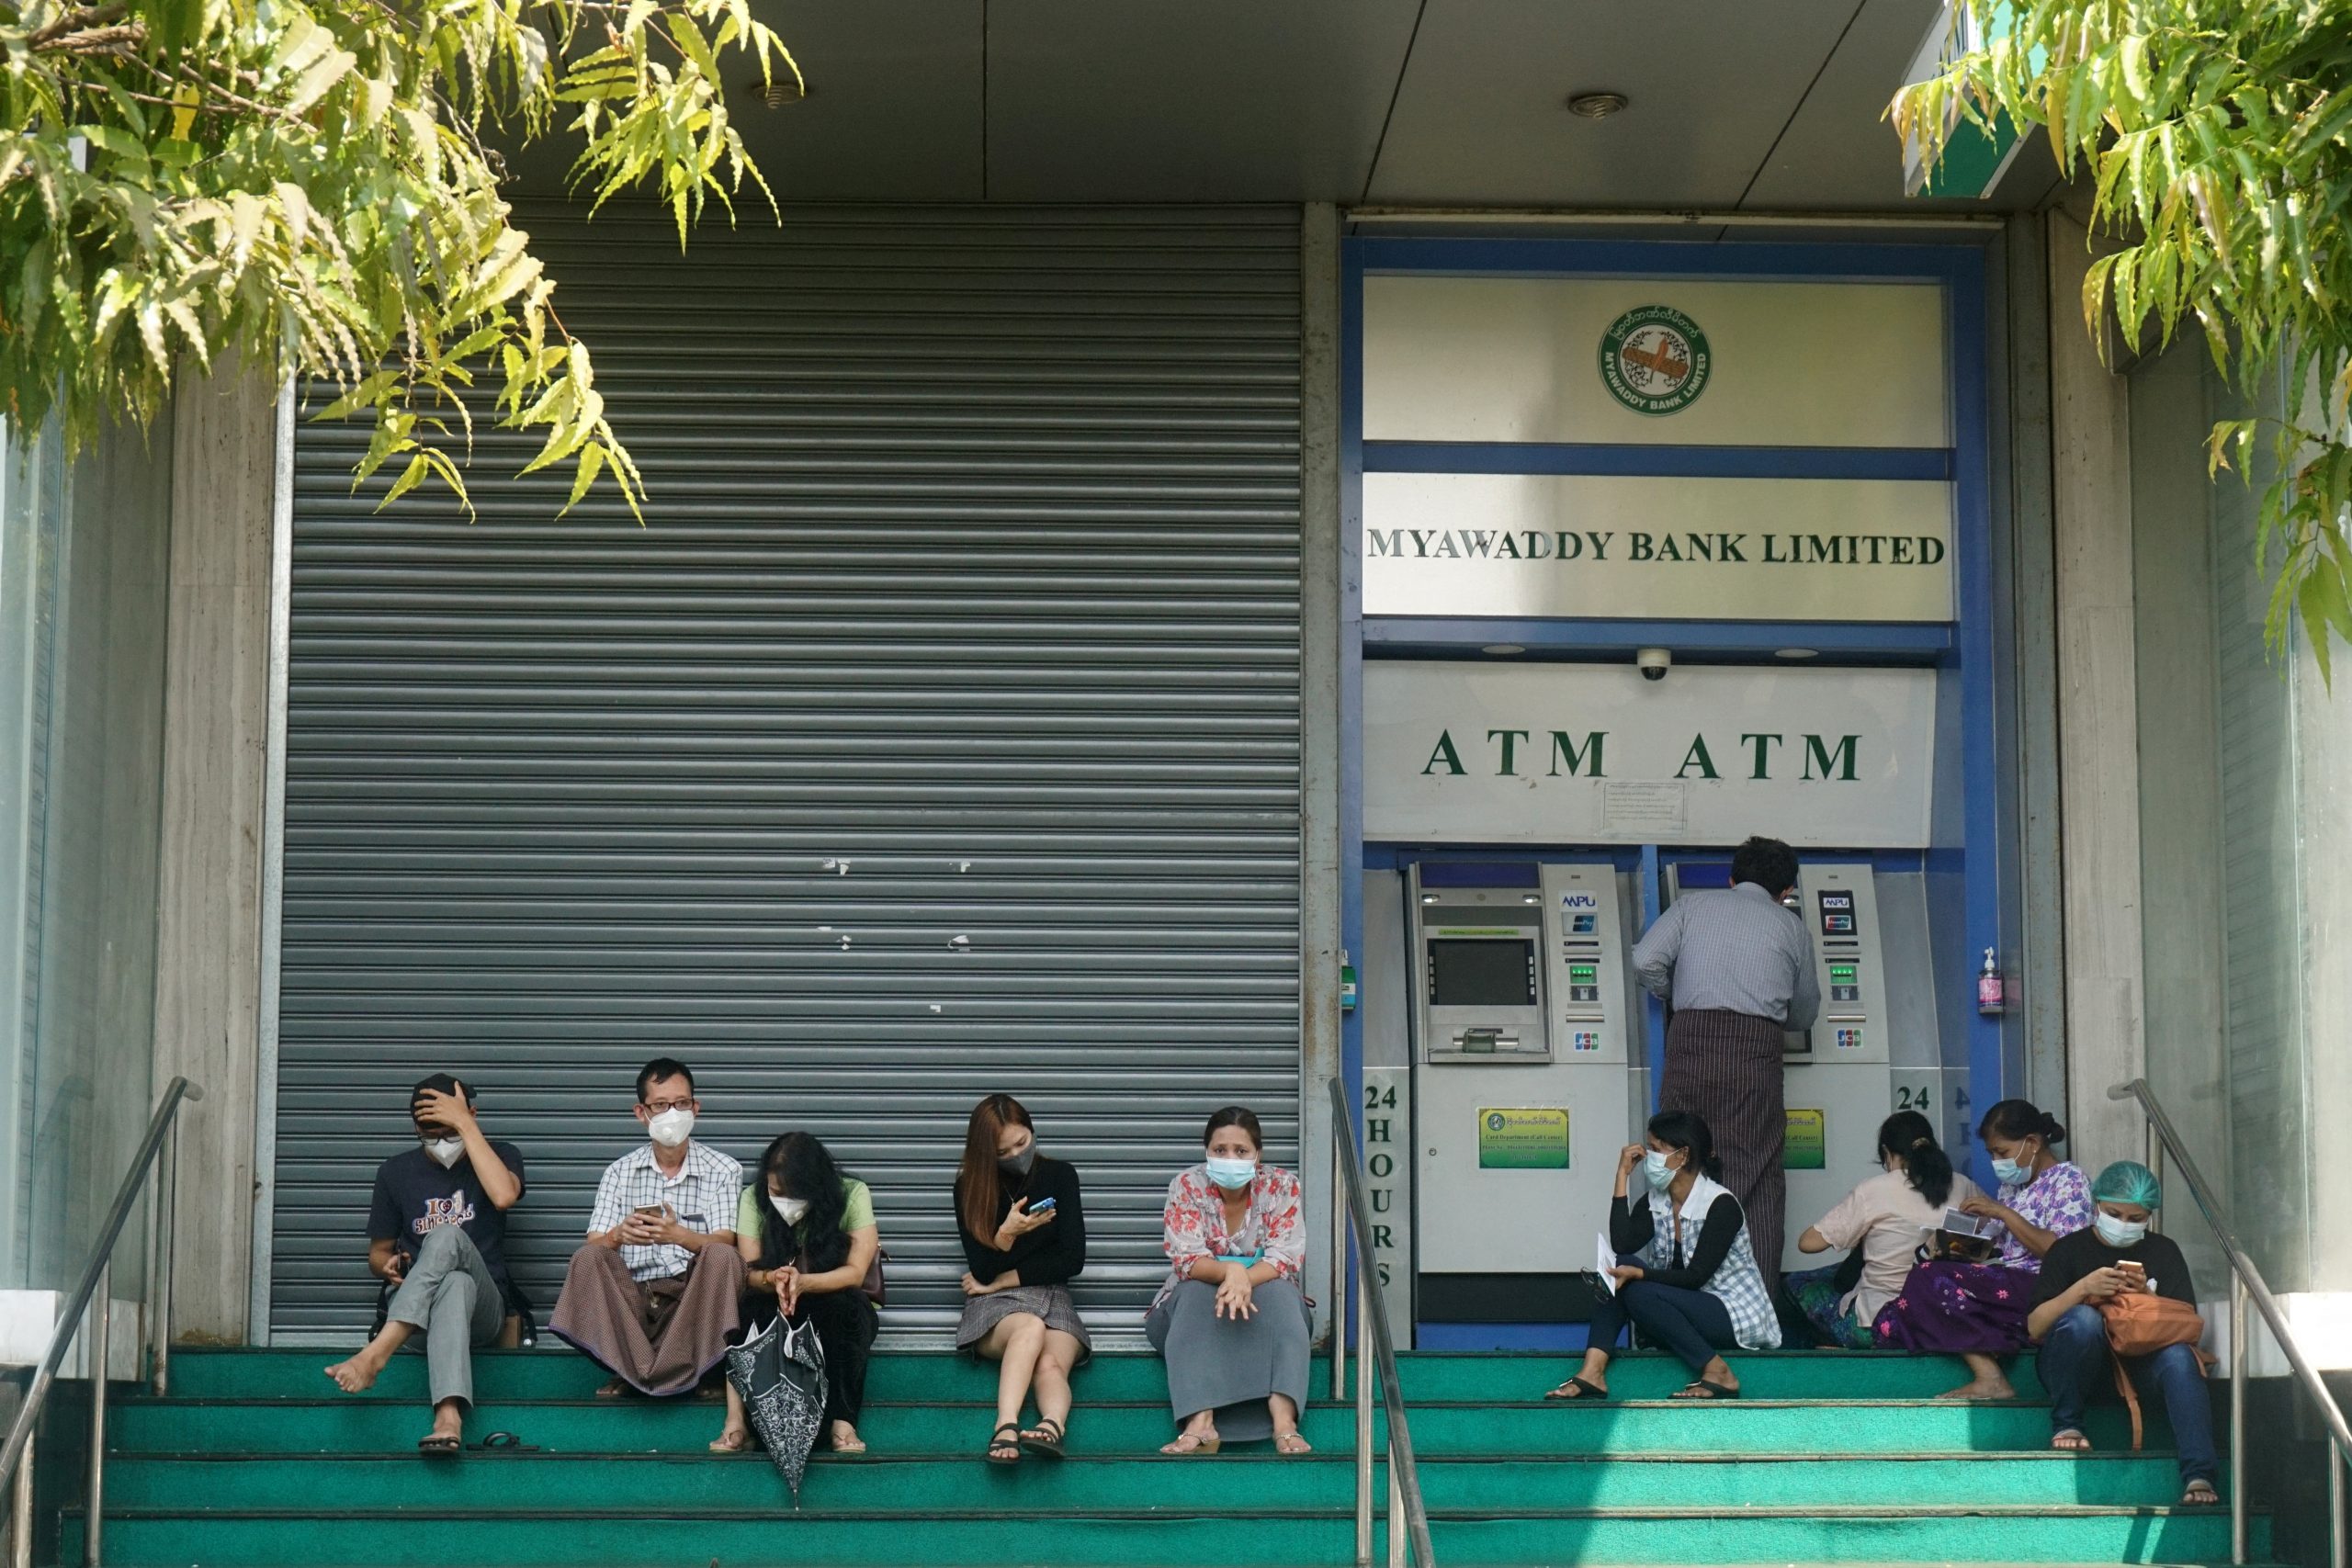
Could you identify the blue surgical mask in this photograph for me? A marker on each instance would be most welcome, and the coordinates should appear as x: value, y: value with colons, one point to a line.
x: 1657, y: 1172
x: 2120, y: 1233
x: 2010, y: 1173
x: 1232, y: 1174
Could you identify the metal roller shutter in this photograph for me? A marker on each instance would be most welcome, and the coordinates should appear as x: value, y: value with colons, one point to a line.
x: 938, y: 734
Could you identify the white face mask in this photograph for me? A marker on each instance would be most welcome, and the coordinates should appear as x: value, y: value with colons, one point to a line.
x: 1232, y: 1174
x: 2120, y: 1233
x: 445, y: 1152
x: 1657, y: 1172
x: 790, y: 1208
x: 671, y: 1127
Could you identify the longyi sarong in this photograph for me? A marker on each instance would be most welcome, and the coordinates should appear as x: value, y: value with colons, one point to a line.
x: 660, y: 1335
x: 1954, y: 1308
x: 1726, y: 1067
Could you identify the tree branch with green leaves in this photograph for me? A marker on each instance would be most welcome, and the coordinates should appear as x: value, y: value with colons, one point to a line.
x: 2219, y: 136
x: 316, y: 184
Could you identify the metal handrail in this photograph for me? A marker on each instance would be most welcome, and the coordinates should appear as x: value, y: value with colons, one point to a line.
x: 15, y: 1456
x: 1408, y: 1518
x: 2247, y: 1282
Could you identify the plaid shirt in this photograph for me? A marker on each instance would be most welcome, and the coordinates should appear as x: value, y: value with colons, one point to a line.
x: 1737, y: 1281
x: 1737, y: 951
x: 704, y: 1196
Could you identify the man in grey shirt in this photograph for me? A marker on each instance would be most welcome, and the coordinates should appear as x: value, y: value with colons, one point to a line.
x: 1737, y: 967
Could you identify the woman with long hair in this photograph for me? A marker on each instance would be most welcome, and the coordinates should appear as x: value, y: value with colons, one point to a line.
x: 1885, y: 1219
x: 1686, y: 1265
x: 806, y: 1230
x: 1230, y: 1320
x: 1977, y: 1311
x: 1024, y: 1240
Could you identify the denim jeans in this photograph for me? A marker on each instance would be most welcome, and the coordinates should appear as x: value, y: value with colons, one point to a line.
x: 2075, y: 1363
x: 1692, y: 1323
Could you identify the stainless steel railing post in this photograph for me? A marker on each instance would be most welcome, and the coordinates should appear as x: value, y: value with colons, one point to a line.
x: 94, y: 1347
x: 1400, y: 1541
x: 159, y: 1283
x: 1338, y: 1268
x: 2237, y: 1418
x: 20, y: 1531
x: 1363, y: 1430
x: 2336, y: 1546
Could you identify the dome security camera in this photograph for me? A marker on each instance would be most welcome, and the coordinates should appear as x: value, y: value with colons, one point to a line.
x: 1653, y: 663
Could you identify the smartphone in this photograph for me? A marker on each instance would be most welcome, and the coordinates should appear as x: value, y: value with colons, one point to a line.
x: 1044, y: 1206
x: 653, y: 1211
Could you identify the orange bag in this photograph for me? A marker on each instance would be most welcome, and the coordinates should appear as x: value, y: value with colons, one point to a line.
x: 2141, y: 1324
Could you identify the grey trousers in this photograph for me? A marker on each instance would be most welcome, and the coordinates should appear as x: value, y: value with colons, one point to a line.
x: 449, y: 1297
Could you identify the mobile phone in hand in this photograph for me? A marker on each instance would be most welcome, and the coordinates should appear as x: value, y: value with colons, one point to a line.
x: 1044, y: 1206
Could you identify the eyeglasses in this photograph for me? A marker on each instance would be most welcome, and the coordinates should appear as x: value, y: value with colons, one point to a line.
x: 656, y: 1107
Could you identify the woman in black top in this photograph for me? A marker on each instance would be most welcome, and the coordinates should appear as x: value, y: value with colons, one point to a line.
x: 1025, y: 1238
x: 2118, y: 1256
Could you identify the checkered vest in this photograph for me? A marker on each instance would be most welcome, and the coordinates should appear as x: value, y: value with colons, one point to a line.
x: 1737, y: 1283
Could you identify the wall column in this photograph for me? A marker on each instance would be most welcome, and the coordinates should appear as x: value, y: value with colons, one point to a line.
x: 2099, y: 728
x: 216, y: 726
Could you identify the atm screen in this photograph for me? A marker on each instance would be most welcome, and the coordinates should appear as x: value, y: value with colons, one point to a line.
x: 1481, y: 972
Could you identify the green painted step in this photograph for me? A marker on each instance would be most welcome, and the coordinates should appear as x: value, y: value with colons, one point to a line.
x: 560, y: 1373
x: 1269, y: 1538
x: 684, y: 1427
x: 749, y: 1484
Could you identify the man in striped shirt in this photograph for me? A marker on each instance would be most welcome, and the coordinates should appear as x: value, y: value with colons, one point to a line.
x: 657, y: 1288
x: 1737, y: 967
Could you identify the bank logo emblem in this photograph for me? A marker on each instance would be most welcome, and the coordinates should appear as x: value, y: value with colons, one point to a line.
x: 1653, y: 360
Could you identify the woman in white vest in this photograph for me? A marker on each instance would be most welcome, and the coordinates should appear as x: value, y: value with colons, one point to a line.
x: 1686, y: 1270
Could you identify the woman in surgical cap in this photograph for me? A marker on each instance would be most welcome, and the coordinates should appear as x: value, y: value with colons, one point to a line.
x: 2120, y: 1253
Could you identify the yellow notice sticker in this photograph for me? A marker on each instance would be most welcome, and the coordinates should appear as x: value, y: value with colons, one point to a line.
x: 1807, y: 1145
x: 1523, y: 1138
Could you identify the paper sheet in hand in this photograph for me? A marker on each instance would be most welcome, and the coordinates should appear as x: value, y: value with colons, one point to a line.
x: 1607, y: 1261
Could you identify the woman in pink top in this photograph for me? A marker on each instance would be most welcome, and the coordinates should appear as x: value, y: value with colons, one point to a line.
x: 1884, y: 1220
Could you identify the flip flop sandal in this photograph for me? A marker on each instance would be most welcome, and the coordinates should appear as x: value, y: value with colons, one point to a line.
x: 1003, y: 1449
x: 2081, y: 1445
x: 1049, y: 1438
x: 2201, y: 1495
x: 439, y: 1444
x: 615, y: 1388
x: 1200, y: 1445
x: 1584, y: 1391
x: 1284, y: 1442
x: 732, y: 1443
x: 1702, y: 1388
x: 506, y: 1442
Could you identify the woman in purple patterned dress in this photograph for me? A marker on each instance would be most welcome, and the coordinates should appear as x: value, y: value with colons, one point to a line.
x: 1977, y: 1311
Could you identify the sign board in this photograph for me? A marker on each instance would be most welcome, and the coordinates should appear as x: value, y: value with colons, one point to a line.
x: 1807, y: 1147
x: 1458, y: 752
x: 1523, y: 1138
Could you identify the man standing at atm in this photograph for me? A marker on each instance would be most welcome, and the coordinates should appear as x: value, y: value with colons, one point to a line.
x: 1736, y: 969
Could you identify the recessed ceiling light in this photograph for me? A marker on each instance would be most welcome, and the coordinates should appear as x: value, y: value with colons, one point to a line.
x: 1502, y: 650
x: 1596, y: 105
x: 1797, y: 653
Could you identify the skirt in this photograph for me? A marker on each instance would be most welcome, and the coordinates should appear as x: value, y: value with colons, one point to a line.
x: 1232, y: 1366
x: 1050, y: 1302
x: 1726, y: 1067
x: 1816, y: 1294
x: 1952, y: 1308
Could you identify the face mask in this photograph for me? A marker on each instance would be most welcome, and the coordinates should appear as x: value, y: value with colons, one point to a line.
x: 1657, y: 1172
x: 2010, y: 1173
x: 1232, y: 1174
x: 447, y: 1151
x: 790, y: 1208
x: 1018, y: 1165
x: 2120, y: 1233
x: 670, y: 1128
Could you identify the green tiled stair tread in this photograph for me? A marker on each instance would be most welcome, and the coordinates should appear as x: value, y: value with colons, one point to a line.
x: 558, y: 1374
x: 1269, y: 1538
x: 685, y: 1426
x: 749, y: 1484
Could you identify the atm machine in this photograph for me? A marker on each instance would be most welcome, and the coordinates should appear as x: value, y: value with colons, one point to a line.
x: 1837, y: 1082
x: 1522, y: 1098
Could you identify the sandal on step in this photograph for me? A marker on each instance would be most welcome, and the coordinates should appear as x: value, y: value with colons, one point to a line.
x: 732, y: 1442
x: 1003, y: 1449
x: 1193, y: 1443
x: 1046, y: 1438
x: 1700, y: 1388
x: 1293, y: 1442
x: 2201, y: 1495
x: 504, y: 1443
x: 1577, y: 1388
x: 2070, y: 1441
x: 440, y: 1443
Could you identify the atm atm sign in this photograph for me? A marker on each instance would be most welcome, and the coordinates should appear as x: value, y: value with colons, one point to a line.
x: 1523, y: 1138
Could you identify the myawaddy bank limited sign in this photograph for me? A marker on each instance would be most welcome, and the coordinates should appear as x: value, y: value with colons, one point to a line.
x: 1578, y: 754
x: 1544, y: 545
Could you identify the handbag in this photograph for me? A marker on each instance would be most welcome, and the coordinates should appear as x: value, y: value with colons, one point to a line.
x: 2141, y: 1322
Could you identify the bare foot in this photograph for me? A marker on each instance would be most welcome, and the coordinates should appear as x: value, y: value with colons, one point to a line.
x: 1981, y: 1388
x: 357, y: 1375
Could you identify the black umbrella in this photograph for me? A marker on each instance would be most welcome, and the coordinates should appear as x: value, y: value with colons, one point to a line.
x: 780, y: 1372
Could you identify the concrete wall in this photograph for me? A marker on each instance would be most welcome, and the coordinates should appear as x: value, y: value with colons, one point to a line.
x: 208, y: 986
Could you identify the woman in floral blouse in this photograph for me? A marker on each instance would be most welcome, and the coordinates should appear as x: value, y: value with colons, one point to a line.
x: 1230, y: 1320
x: 1977, y: 1311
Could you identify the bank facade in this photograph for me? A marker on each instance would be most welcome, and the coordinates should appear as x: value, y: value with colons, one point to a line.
x: 1149, y: 656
